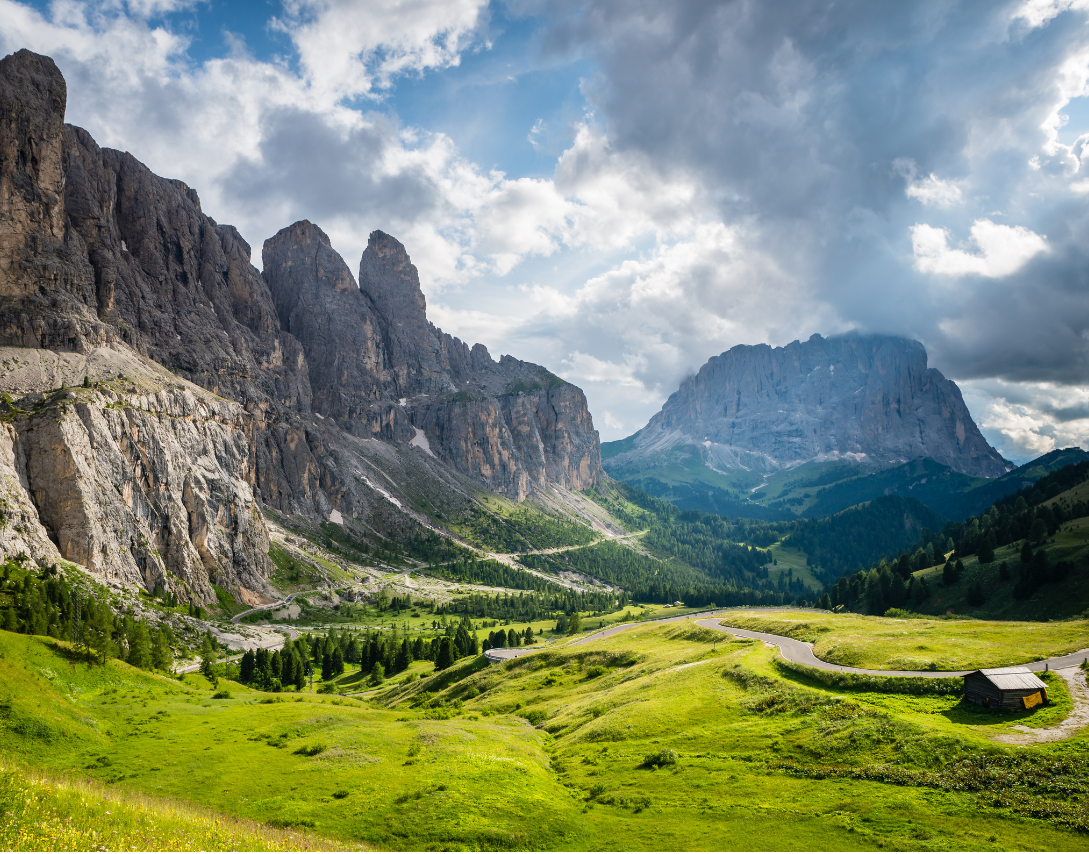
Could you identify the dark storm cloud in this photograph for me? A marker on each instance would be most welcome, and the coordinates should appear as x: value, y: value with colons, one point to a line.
x: 796, y: 114
x: 320, y: 171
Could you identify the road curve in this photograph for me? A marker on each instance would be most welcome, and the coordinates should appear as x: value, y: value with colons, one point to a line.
x: 795, y: 651
x: 271, y: 606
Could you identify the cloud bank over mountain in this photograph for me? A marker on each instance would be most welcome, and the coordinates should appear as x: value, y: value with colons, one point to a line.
x: 673, y: 179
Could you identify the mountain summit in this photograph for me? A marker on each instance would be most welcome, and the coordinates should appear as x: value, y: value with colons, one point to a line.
x: 867, y: 398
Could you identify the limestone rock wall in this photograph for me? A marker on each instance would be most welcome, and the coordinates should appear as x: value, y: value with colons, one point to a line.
x: 138, y: 477
x: 380, y: 369
x: 853, y: 396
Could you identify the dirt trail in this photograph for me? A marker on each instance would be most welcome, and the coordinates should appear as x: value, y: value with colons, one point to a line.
x: 1076, y: 720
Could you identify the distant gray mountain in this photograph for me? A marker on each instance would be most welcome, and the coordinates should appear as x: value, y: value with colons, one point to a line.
x: 868, y: 398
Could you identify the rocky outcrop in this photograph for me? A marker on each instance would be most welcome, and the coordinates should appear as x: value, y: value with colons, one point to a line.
x: 145, y: 479
x: 862, y: 397
x: 380, y: 369
x: 102, y: 260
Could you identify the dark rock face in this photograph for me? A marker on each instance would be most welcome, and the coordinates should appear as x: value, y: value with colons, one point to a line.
x: 98, y: 252
x: 863, y: 397
x: 379, y: 368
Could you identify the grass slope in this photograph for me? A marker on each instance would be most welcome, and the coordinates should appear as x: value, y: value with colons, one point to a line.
x: 884, y: 643
x: 43, y: 812
x: 661, y: 737
x: 1056, y: 600
x: 753, y: 757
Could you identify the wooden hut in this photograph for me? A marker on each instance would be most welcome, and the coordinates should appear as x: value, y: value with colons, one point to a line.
x: 1010, y: 688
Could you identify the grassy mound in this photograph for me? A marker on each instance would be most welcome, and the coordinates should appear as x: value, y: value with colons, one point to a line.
x: 49, y: 813
x: 884, y: 643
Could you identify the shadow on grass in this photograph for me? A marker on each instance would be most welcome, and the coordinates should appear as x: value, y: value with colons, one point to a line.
x: 967, y: 713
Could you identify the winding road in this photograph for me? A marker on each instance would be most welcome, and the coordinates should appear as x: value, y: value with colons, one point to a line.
x: 271, y: 606
x: 796, y: 651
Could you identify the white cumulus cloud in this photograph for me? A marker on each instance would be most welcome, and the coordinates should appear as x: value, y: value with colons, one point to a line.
x: 930, y: 190
x: 1002, y: 250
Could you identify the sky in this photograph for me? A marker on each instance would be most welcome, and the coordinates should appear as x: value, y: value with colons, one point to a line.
x: 621, y: 189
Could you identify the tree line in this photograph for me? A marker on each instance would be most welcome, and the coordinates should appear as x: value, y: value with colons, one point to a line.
x: 46, y: 603
x: 1014, y: 518
x: 378, y: 654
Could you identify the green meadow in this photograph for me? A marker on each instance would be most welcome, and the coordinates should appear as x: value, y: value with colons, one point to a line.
x: 886, y: 643
x: 660, y: 737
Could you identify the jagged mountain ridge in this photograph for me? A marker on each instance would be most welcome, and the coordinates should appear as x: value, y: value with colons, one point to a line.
x: 98, y: 254
x: 377, y: 364
x: 868, y: 398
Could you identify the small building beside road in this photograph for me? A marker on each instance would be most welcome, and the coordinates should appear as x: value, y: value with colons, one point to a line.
x: 1007, y: 688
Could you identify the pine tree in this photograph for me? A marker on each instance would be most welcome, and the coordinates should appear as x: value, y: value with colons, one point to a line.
x: 404, y: 656
x: 574, y: 623
x: 262, y: 672
x: 100, y: 631
x: 300, y: 671
x: 444, y: 658
x: 162, y: 657
x: 326, y: 666
x: 337, y: 663
x: 140, y: 647
x: 208, y: 657
x: 246, y: 666
x: 986, y: 549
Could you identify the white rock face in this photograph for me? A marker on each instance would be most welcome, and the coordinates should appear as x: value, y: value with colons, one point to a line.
x: 146, y: 479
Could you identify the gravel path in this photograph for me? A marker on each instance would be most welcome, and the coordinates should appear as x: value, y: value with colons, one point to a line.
x: 1076, y: 720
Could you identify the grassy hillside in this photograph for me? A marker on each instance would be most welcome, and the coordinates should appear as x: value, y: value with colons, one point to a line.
x: 1026, y: 558
x: 45, y: 812
x: 815, y: 490
x: 660, y: 737
x: 885, y: 643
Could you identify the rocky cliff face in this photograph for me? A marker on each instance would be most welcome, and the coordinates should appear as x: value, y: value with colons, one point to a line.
x: 100, y: 256
x: 379, y: 368
x: 145, y: 479
x: 862, y: 397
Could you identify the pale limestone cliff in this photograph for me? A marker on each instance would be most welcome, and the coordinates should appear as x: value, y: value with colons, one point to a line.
x: 101, y: 261
x: 144, y: 479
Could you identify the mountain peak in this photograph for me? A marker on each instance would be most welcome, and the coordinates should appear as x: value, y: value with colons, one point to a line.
x: 860, y: 397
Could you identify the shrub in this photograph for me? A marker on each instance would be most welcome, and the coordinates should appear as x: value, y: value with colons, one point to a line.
x: 918, y: 686
x: 310, y: 750
x: 221, y: 695
x: 595, y: 671
x: 535, y: 716
x: 661, y: 759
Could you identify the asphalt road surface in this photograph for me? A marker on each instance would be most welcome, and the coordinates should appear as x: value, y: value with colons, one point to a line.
x: 796, y: 651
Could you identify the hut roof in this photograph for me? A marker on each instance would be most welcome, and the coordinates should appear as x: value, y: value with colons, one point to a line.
x: 1012, y: 678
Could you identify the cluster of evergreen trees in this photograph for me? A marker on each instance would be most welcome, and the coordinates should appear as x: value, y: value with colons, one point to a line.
x: 377, y: 653
x: 863, y: 535
x: 46, y: 603
x: 1009, y: 520
x: 648, y: 579
x: 530, y: 607
x: 494, y: 574
x: 507, y: 639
